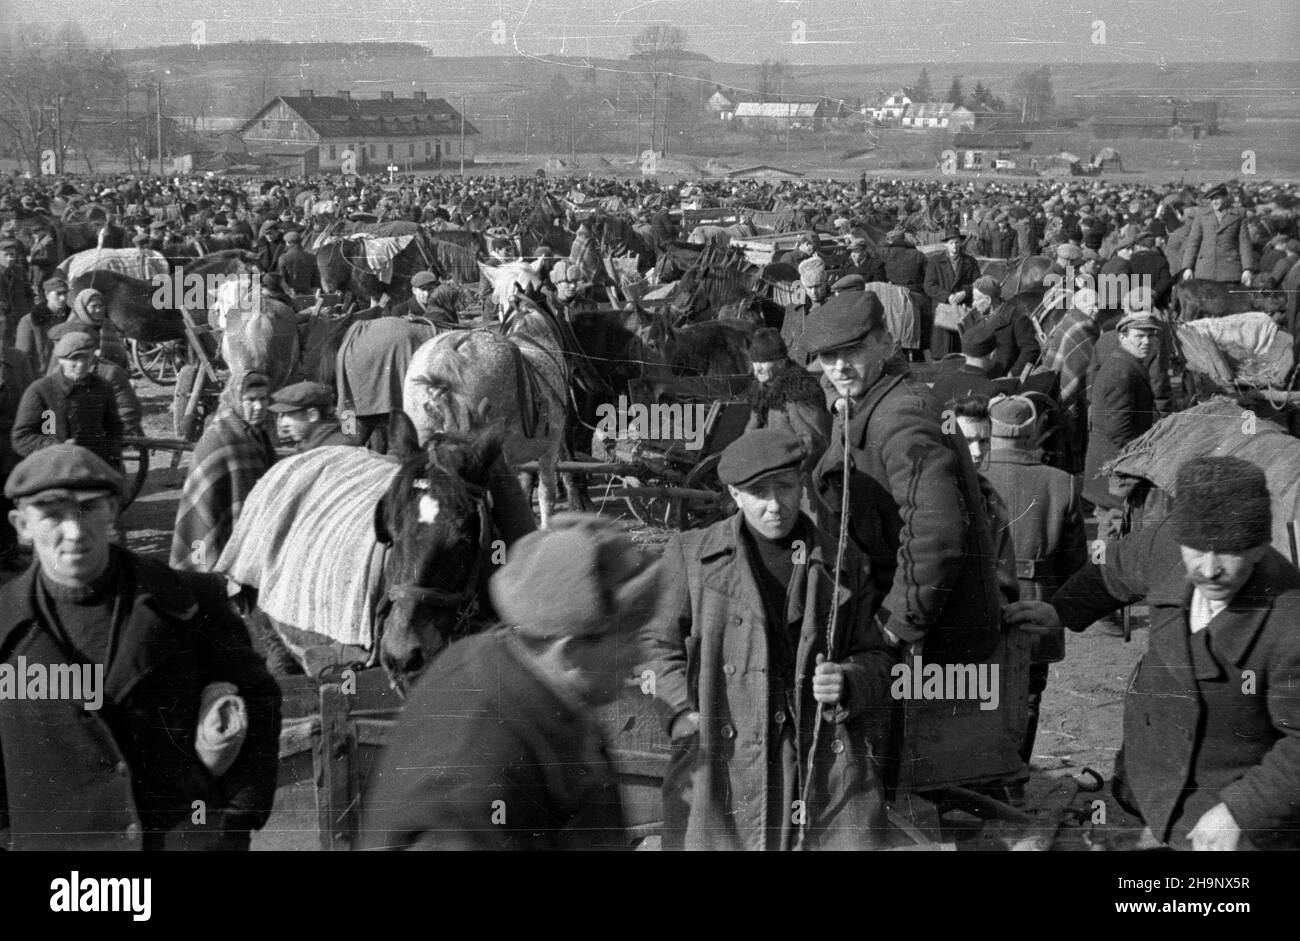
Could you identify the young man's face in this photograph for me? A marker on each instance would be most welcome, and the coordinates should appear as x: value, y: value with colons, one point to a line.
x: 1219, y: 575
x: 7, y: 257
x: 57, y: 299
x: 70, y: 537
x: 78, y: 366
x: 295, y: 426
x: 953, y: 247
x: 1136, y: 342
x: 770, y: 504
x: 254, y: 405
x: 848, y: 367
x: 977, y: 434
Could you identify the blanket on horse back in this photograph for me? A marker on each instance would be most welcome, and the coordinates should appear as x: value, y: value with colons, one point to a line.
x: 133, y: 262
x: 306, y: 541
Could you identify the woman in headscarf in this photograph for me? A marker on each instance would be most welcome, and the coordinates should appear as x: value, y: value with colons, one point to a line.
x: 91, y: 316
x: 230, y: 458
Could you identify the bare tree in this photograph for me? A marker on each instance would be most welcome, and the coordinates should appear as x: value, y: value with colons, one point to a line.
x: 772, y: 75
x: 265, y: 73
x: 658, y: 49
x: 1032, y: 94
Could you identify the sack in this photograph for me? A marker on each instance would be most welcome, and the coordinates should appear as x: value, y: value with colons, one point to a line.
x: 950, y: 316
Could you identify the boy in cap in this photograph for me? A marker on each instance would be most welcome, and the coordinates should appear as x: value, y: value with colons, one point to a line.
x: 72, y: 404
x: 32, y: 337
x: 127, y: 767
x: 1211, y: 758
x: 738, y: 653
x: 304, y: 414
x: 1046, y: 527
x: 498, y: 747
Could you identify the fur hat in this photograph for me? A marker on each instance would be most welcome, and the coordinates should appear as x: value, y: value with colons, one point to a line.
x: 767, y: 346
x: 1221, y: 504
x: 580, y: 577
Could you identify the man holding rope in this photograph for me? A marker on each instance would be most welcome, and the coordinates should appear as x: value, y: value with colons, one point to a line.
x: 774, y: 742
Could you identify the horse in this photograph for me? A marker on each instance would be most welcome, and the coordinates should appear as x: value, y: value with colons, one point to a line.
x: 258, y: 331
x: 1017, y: 274
x: 1196, y: 298
x: 134, y: 306
x: 511, y: 279
x: 520, y: 369
x: 411, y: 534
x: 346, y: 269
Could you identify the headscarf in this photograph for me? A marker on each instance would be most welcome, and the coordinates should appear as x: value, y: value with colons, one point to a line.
x: 81, y: 307
x: 232, y: 396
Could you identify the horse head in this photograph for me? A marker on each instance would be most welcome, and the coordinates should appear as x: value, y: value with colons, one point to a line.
x: 435, y: 520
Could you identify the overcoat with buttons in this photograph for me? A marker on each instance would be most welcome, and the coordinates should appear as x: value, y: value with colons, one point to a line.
x: 708, y: 652
x: 126, y: 776
x: 1207, y: 720
x: 1218, y: 247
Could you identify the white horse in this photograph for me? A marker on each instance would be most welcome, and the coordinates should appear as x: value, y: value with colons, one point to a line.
x: 510, y: 279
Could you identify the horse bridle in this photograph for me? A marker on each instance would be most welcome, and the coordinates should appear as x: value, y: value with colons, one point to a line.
x: 465, y: 601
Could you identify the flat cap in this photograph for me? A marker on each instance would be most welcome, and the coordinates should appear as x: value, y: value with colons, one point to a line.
x: 580, y: 577
x: 424, y: 279
x: 844, y: 319
x: 1012, y: 416
x: 758, y: 453
x: 1068, y: 252
x: 54, y: 283
x: 302, y: 395
x: 1142, y: 320
x: 74, y: 343
x: 1216, y: 191
x: 979, y: 340
x: 989, y: 287
x: 850, y: 282
x: 294, y: 237
x: 952, y: 232
x: 61, y: 471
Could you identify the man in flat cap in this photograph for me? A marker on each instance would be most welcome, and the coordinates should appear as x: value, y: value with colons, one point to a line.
x: 498, y: 747
x: 170, y: 739
x: 1218, y: 245
x: 298, y: 268
x: 1016, y: 339
x: 1122, y: 407
x: 738, y: 655
x: 862, y: 262
x: 1211, y: 754
x: 15, y: 292
x: 32, y: 337
x: 1046, y: 527
x: 304, y: 415
x: 73, y: 403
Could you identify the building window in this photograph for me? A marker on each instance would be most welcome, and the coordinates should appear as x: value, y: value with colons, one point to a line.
x: 390, y: 151
x: 410, y: 150
x: 428, y: 148
x: 332, y: 156
x: 372, y: 151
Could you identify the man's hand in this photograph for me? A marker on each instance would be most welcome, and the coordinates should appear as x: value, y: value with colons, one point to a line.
x: 1246, y: 278
x: 828, y: 682
x: 957, y: 297
x: 1187, y: 274
x: 1032, y: 617
x: 684, y: 726
x: 1215, y: 831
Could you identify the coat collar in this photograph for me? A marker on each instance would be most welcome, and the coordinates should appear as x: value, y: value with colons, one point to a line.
x: 157, y: 593
x: 721, y: 544
x: 1013, y: 456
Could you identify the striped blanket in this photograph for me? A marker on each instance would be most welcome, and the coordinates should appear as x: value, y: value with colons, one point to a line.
x: 900, y: 313
x: 306, y: 541
x: 134, y: 262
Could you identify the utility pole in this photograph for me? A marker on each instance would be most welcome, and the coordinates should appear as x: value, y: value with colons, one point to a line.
x: 462, y: 134
x: 573, y: 139
x: 58, y: 133
x: 157, y: 89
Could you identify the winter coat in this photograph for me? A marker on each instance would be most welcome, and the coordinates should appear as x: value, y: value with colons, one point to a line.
x: 918, y: 516
x: 1018, y: 345
x: 905, y: 266
x: 299, y: 270
x: 1218, y: 248
x: 1195, y: 735
x: 1122, y: 407
x: 84, y: 412
x: 126, y: 777
x: 943, y: 280
x: 708, y: 650
x: 792, y: 400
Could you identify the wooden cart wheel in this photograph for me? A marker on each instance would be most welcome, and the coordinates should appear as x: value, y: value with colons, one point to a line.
x: 135, y: 467
x: 188, y: 428
x: 158, y: 362
x: 648, y: 509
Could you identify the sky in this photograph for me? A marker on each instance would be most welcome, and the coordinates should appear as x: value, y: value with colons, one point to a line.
x: 802, y: 32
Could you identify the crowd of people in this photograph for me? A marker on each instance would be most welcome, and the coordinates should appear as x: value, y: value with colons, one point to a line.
x: 911, y: 501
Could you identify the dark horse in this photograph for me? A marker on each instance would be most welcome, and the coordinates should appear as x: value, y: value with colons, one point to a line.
x: 435, y: 521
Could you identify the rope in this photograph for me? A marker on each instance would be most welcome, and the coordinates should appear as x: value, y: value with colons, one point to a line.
x: 843, y: 407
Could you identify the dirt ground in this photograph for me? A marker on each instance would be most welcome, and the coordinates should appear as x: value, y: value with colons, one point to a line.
x: 1079, y: 725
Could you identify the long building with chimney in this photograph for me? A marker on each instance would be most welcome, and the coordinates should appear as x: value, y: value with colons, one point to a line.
x: 416, y: 132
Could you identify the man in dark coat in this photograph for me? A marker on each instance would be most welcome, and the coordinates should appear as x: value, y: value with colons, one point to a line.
x: 966, y: 373
x: 916, y: 508
x: 1211, y: 754
x: 1157, y: 362
x: 298, y: 268
x: 81, y: 404
x: 498, y: 747
x: 1046, y: 528
x: 1017, y: 341
x: 1218, y: 246
x: 948, y: 280
x: 862, y: 262
x: 1123, y: 407
x: 741, y: 668
x: 15, y: 292
x: 904, y: 262
x: 32, y: 337
x: 170, y: 739
x: 431, y: 301
x: 1148, y: 264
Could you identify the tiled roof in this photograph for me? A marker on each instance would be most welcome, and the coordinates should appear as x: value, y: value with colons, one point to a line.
x: 332, y: 116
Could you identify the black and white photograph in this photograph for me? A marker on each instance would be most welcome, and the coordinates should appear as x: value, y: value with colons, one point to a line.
x: 658, y: 426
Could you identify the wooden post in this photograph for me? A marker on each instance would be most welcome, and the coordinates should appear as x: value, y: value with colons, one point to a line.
x: 337, y: 790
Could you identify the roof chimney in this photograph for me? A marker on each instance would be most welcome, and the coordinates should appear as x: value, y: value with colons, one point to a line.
x: 386, y: 96
x: 306, y: 93
x: 344, y: 94
x: 420, y: 96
